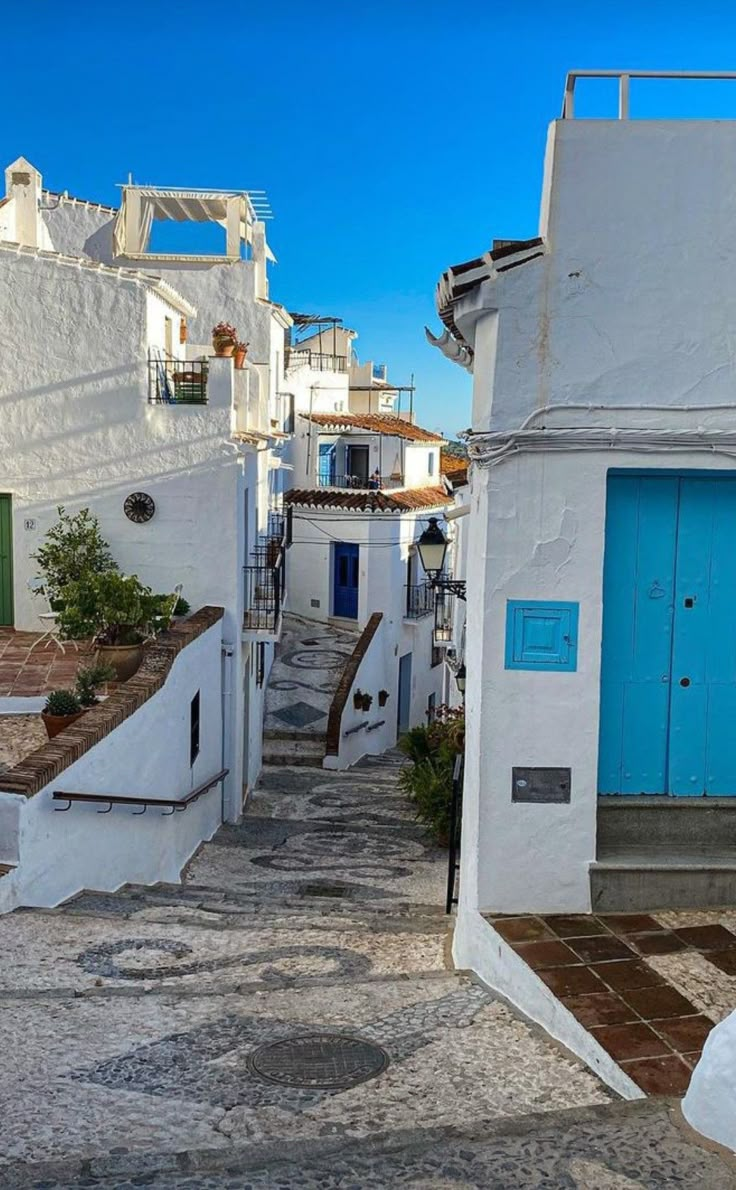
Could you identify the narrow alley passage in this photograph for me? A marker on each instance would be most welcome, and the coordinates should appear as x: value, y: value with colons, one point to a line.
x: 288, y: 1017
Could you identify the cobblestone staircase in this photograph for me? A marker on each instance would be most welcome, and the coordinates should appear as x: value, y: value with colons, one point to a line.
x: 156, y: 1036
x: 309, y: 661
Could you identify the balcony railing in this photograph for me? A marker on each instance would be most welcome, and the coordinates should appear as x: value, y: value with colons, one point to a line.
x: 319, y: 361
x: 419, y: 601
x: 444, y: 618
x: 176, y: 381
x: 371, y: 483
x: 264, y: 596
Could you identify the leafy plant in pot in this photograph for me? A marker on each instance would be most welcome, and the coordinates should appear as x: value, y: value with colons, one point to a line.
x: 64, y: 707
x: 427, y: 780
x: 224, y: 338
x: 73, y: 547
x: 241, y: 350
x: 119, y: 612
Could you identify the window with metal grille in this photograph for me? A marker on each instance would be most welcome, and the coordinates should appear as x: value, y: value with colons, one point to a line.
x: 194, y: 729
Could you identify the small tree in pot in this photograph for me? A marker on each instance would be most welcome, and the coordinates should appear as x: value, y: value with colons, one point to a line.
x: 73, y: 547
x: 118, y: 611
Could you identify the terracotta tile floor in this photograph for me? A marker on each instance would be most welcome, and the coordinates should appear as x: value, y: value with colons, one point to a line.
x: 598, y: 968
x: 27, y: 671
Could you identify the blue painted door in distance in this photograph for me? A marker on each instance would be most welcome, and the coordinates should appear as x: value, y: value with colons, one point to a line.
x: 345, y: 596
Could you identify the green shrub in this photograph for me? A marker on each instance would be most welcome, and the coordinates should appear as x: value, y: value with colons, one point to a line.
x: 427, y: 781
x: 89, y: 680
x: 115, y: 609
x: 73, y: 547
x: 62, y: 702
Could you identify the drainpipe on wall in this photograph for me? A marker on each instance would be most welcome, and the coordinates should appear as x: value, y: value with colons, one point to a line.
x: 227, y: 735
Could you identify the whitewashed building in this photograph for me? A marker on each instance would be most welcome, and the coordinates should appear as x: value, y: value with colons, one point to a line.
x: 364, y: 481
x: 601, y: 660
x: 109, y: 388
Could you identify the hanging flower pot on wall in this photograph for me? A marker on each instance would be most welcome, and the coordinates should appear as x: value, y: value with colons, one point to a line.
x: 358, y: 700
x: 224, y: 339
x: 367, y: 701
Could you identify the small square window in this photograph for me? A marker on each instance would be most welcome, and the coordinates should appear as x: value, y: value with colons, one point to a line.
x: 541, y: 635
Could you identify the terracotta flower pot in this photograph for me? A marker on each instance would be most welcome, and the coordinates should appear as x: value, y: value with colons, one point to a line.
x: 124, y: 659
x: 56, y: 723
x: 239, y: 358
x: 223, y: 347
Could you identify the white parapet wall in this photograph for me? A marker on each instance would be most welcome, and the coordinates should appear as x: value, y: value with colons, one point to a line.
x: 479, y: 948
x: 351, y: 731
x: 55, y: 853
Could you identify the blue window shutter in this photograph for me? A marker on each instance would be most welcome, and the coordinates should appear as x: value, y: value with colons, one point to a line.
x: 541, y: 635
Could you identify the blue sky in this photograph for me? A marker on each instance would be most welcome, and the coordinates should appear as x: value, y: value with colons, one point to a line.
x: 393, y: 139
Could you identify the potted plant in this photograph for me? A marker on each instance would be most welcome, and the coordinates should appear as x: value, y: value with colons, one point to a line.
x: 119, y: 612
x: 89, y: 680
x: 64, y: 707
x: 367, y: 702
x: 383, y: 697
x: 241, y: 350
x: 358, y: 699
x: 61, y: 710
x: 224, y: 338
x: 427, y: 780
x: 73, y: 547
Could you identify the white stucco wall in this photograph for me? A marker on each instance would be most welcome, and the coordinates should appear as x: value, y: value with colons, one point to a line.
x: 60, y: 853
x: 375, y: 666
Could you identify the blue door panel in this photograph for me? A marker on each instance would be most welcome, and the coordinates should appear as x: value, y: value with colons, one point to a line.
x: 345, y: 580
x: 668, y: 679
x: 638, y: 592
x: 404, y: 700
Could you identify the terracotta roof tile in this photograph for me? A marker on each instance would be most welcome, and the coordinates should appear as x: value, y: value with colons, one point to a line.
x: 405, y: 500
x: 455, y: 467
x: 377, y: 422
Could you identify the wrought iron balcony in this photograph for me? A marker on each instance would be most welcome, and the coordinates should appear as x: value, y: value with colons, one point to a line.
x: 177, y: 382
x: 264, y: 596
x: 371, y: 483
x: 419, y: 601
x: 319, y: 361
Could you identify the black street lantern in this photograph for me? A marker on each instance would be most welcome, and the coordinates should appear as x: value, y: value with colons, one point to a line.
x: 460, y: 678
x: 432, y: 548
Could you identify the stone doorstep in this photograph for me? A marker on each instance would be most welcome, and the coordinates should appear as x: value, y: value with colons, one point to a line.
x: 596, y: 966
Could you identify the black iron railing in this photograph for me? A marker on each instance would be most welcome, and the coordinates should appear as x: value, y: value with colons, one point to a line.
x: 264, y: 594
x: 362, y: 483
x: 320, y: 361
x: 455, y: 831
x: 177, y: 382
x: 419, y: 601
x: 444, y: 615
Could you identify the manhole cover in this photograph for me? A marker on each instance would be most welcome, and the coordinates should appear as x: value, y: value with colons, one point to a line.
x: 319, y: 1061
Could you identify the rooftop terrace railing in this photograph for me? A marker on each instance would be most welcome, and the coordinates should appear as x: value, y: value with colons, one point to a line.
x: 319, y: 361
x: 624, y: 78
x: 361, y: 483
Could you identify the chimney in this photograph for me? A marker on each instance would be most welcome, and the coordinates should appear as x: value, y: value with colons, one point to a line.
x: 23, y: 186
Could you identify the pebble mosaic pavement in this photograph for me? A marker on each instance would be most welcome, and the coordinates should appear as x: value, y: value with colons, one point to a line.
x: 129, y: 1021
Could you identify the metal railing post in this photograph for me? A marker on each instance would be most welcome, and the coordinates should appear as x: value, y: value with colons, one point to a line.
x: 623, y: 97
x: 568, y: 106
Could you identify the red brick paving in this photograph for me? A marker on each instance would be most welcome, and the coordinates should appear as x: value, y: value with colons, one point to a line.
x: 27, y: 671
x: 597, y: 966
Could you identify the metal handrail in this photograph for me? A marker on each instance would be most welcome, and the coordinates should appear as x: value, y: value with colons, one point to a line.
x: 125, y: 799
x: 568, y: 103
x: 176, y: 381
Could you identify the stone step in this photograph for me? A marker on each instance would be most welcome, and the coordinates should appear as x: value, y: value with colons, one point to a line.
x: 293, y: 752
x: 628, y: 879
x: 666, y: 821
x: 309, y: 736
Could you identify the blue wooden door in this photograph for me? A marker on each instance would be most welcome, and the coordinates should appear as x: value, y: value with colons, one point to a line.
x: 668, y: 679
x: 702, y: 752
x: 404, y: 700
x: 346, y: 571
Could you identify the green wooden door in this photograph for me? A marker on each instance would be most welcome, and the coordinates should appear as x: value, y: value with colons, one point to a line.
x: 6, y: 563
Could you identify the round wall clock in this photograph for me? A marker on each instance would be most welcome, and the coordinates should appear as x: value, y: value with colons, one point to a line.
x: 139, y: 507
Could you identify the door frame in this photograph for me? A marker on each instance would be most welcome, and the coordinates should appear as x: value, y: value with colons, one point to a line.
x: 408, y: 670
x: 336, y: 545
x: 6, y: 500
